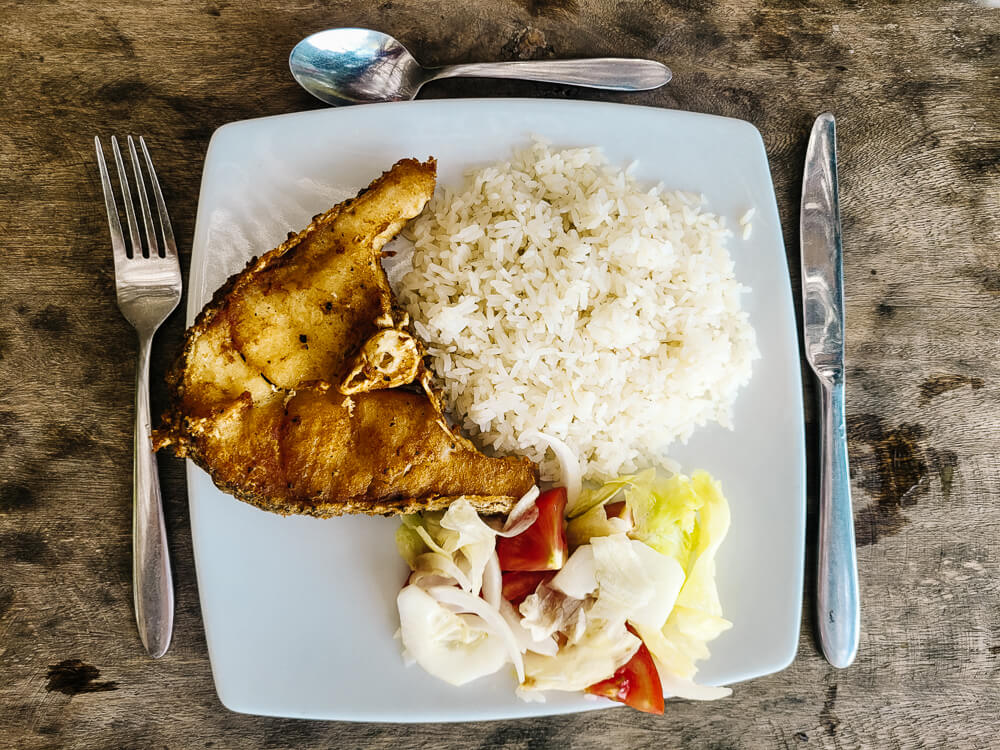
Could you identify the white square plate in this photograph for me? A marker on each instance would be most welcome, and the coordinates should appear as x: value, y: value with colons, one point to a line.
x: 300, y: 613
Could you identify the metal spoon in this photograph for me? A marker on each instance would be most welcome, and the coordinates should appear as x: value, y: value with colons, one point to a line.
x: 353, y: 66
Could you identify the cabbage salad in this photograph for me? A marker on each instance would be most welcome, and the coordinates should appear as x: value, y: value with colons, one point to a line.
x: 609, y: 591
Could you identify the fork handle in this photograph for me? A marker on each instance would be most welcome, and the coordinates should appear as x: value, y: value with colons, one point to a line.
x: 152, y: 583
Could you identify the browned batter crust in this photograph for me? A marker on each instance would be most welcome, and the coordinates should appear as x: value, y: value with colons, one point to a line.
x: 301, y: 388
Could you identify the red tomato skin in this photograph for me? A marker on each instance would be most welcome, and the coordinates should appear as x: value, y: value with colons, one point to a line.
x: 541, y: 546
x: 614, y: 510
x: 518, y: 585
x: 637, y: 684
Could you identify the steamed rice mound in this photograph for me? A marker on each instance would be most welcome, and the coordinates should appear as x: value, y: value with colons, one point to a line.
x: 557, y: 294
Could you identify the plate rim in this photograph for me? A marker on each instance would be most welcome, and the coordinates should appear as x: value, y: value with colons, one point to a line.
x: 200, y: 257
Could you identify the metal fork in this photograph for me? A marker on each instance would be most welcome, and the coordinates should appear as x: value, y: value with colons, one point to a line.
x: 148, y: 287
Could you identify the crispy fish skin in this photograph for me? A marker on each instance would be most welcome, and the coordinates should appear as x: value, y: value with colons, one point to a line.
x: 252, y: 400
x: 301, y: 311
x: 390, y: 455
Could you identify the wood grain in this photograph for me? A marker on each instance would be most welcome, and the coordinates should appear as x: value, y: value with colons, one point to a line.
x: 916, y: 92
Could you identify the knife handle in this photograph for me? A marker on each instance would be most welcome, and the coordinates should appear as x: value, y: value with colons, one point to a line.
x: 837, y: 581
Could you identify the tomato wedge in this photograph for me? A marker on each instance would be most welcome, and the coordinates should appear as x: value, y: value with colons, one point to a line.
x: 615, y: 510
x: 518, y: 584
x: 541, y: 546
x: 637, y: 684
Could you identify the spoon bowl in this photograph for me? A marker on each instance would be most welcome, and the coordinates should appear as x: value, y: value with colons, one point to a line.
x: 354, y: 66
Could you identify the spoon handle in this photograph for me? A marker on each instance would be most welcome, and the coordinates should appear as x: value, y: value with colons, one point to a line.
x: 617, y: 74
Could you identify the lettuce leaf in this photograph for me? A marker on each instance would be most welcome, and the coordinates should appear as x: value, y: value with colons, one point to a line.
x: 549, y: 611
x: 590, y: 499
x: 576, y: 666
x: 408, y: 541
x: 666, y: 577
x: 665, y: 511
x: 593, y: 523
x: 697, y: 616
x: 470, y: 541
x: 622, y: 584
x: 699, y: 591
x: 439, y: 542
x: 684, y: 519
x: 653, y: 569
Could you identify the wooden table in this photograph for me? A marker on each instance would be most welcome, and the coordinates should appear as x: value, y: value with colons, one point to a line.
x: 916, y: 90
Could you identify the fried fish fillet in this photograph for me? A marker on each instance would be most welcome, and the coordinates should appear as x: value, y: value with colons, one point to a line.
x: 301, y: 389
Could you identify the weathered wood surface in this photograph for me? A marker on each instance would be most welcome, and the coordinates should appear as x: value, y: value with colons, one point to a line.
x: 916, y: 90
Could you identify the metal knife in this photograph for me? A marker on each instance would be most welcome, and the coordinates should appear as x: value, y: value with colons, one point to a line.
x: 838, y: 611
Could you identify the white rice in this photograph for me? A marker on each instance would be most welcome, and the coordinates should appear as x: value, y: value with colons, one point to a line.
x: 556, y: 294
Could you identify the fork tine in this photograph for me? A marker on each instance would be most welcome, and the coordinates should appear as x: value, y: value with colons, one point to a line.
x: 147, y: 217
x: 133, y: 229
x: 169, y: 246
x: 117, y: 240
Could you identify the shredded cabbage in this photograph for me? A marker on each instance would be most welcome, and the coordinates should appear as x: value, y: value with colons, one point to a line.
x: 525, y: 640
x: 470, y: 541
x: 653, y: 571
x: 622, y: 583
x: 578, y: 576
x: 438, y: 568
x: 602, y: 495
x: 672, y: 658
x: 700, y: 592
x: 685, y: 519
x: 548, y: 611
x: 665, y: 511
x: 408, y: 541
x: 666, y: 576
x: 594, y: 522
x: 595, y: 657
x: 455, y: 544
x: 678, y: 688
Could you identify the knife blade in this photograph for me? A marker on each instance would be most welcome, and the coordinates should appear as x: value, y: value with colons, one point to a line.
x: 838, y: 610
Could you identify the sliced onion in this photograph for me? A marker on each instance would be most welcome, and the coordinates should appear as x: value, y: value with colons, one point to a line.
x: 620, y: 525
x: 522, y: 515
x: 667, y: 578
x: 678, y: 687
x: 593, y: 658
x: 578, y: 577
x: 435, y: 564
x: 493, y: 619
x: 422, y: 533
x: 531, y: 696
x: 492, y: 581
x: 426, y: 579
x: 548, y: 611
x: 456, y: 648
x: 577, y: 630
x: 546, y: 646
x: 569, y: 465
